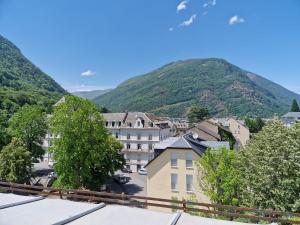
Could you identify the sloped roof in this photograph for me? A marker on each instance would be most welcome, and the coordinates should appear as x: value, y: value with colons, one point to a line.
x: 292, y: 114
x: 187, y: 141
x: 58, y: 211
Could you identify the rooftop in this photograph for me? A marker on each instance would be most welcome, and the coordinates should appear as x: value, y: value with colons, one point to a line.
x: 292, y: 114
x: 37, y: 210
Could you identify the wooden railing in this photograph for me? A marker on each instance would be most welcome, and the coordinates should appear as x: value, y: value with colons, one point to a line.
x: 214, y: 210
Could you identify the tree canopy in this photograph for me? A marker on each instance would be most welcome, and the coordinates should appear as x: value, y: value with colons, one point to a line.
x: 29, y: 124
x: 85, y: 154
x: 269, y: 168
x: 219, y: 176
x: 196, y: 114
x: 255, y: 125
x: 295, y: 106
x: 15, y: 162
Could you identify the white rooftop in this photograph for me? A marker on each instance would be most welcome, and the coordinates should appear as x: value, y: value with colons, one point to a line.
x: 56, y: 211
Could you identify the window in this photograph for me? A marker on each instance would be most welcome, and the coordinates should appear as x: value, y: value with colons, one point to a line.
x: 139, y: 136
x: 174, y: 181
x: 120, y: 123
x: 150, y: 146
x: 129, y: 124
x: 128, y: 136
x: 150, y: 137
x: 106, y: 123
x: 117, y: 135
x: 139, y: 146
x: 189, y: 160
x: 189, y: 183
x: 113, y: 124
x: 139, y: 123
x: 173, y: 159
x: 128, y: 146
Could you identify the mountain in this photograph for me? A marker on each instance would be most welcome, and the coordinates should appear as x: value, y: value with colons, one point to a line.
x: 22, y: 83
x: 222, y: 87
x: 90, y: 94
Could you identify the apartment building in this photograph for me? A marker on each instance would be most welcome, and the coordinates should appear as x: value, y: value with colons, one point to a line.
x: 290, y: 118
x: 173, y: 173
x: 138, y: 132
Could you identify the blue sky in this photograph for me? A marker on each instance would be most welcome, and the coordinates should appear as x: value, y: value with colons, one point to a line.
x: 96, y: 44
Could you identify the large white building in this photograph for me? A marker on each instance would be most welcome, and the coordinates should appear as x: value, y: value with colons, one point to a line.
x: 138, y: 132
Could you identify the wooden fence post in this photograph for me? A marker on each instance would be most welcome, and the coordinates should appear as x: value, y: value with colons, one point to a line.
x: 184, y: 205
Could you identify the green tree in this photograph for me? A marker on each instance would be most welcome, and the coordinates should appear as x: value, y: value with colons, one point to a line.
x: 295, y: 106
x: 15, y: 162
x: 4, y: 137
x: 254, y: 125
x: 219, y: 176
x: 270, y: 168
x: 29, y: 124
x: 196, y: 114
x: 85, y: 154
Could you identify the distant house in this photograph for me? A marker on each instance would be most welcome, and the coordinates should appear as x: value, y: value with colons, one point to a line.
x: 173, y: 173
x: 238, y: 129
x: 290, y: 118
x: 138, y: 132
x: 206, y: 130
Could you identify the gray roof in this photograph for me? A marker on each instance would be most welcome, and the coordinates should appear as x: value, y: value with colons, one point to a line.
x: 54, y: 211
x: 216, y: 144
x: 292, y: 114
x: 187, y: 141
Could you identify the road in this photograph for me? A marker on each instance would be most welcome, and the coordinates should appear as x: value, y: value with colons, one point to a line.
x: 136, y: 186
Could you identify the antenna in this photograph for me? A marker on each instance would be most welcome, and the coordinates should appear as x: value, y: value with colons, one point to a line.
x: 195, y: 136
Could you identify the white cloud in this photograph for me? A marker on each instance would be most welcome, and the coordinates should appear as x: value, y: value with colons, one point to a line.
x: 88, y: 73
x: 171, y: 29
x: 210, y: 3
x: 182, y: 5
x: 236, y: 19
x: 189, y: 22
x: 204, y: 13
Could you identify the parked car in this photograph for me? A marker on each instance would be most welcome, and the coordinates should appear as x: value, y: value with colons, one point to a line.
x: 52, y: 175
x: 142, y: 171
x: 51, y: 164
x: 126, y: 170
x: 121, y: 178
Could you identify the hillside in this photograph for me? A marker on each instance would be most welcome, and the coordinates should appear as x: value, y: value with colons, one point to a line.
x: 222, y: 87
x: 22, y: 82
x: 90, y: 94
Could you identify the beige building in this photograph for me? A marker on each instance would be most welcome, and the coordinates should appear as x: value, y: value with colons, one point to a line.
x: 238, y: 129
x: 206, y: 130
x: 172, y: 174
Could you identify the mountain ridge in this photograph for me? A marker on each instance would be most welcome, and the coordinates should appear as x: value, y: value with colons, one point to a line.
x: 215, y: 83
x: 21, y: 82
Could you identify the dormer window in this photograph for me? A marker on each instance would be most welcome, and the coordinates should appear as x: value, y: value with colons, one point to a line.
x: 129, y: 124
x: 113, y: 123
x: 119, y: 123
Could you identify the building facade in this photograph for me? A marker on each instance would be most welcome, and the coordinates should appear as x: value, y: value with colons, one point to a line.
x: 173, y: 173
x: 138, y: 132
x: 290, y: 118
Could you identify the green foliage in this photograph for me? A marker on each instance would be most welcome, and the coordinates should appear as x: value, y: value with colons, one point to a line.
x: 295, y: 106
x: 85, y: 154
x: 270, y: 168
x: 15, y: 163
x: 196, y: 114
x: 4, y: 137
x: 255, y: 125
x: 219, y: 176
x: 22, y: 83
x: 227, y: 136
x: 224, y: 88
x: 29, y: 124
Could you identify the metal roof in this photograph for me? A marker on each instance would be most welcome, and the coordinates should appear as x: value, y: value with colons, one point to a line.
x: 292, y: 114
x: 58, y: 212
